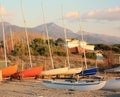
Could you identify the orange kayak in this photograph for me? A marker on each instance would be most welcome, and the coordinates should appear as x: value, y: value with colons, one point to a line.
x: 8, y: 71
x: 31, y: 72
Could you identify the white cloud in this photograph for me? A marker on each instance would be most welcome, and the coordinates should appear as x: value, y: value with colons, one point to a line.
x: 104, y: 14
x: 98, y: 14
x: 4, y: 12
x: 72, y: 15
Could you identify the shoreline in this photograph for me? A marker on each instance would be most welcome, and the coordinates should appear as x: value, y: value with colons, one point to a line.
x: 34, y: 88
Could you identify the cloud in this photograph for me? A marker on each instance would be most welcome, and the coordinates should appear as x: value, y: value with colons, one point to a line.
x: 103, y: 14
x: 4, y: 12
x: 98, y: 14
x: 72, y: 15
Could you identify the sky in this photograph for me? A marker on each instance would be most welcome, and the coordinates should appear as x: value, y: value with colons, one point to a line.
x: 96, y: 16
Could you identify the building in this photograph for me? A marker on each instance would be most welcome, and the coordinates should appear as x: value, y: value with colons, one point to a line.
x: 77, y: 46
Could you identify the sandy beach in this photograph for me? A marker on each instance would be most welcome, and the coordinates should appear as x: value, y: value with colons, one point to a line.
x: 34, y: 88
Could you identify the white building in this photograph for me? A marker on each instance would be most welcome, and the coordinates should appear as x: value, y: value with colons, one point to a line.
x: 78, y: 43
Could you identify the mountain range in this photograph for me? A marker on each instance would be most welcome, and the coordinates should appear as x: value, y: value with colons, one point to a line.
x: 55, y: 31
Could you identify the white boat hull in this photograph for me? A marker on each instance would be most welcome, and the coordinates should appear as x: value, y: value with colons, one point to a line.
x: 81, y: 85
x: 112, y: 84
x: 56, y: 71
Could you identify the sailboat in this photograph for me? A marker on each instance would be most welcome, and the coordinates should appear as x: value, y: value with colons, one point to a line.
x: 77, y: 85
x: 90, y: 71
x: 8, y: 70
x: 112, y: 84
x: 70, y: 70
x: 31, y: 72
x: 53, y: 71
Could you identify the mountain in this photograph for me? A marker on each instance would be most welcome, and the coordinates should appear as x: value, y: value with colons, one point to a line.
x: 93, y: 38
x: 56, y: 31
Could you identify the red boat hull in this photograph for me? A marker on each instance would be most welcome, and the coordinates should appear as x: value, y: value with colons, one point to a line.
x: 29, y: 72
x: 8, y: 71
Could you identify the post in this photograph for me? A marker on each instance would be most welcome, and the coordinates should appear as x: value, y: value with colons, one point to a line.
x: 0, y: 75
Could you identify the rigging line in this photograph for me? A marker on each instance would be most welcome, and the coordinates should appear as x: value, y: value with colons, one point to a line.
x: 66, y: 44
x: 80, y: 24
x: 46, y: 29
x: 26, y: 33
x: 3, y: 30
x: 11, y: 36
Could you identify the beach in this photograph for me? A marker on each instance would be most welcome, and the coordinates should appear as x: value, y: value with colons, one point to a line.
x: 34, y: 88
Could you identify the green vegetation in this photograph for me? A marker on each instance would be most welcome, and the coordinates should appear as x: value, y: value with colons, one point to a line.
x: 90, y: 55
x: 39, y: 46
x: 105, y: 47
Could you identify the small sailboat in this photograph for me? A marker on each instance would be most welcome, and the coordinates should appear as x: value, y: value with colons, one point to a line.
x: 8, y: 70
x: 112, y: 84
x: 77, y: 85
x: 56, y: 71
x: 53, y: 71
x: 90, y: 71
x: 31, y: 72
x: 70, y: 70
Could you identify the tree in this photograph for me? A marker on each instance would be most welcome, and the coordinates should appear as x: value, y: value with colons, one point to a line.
x: 36, y: 44
x: 59, y: 41
x: 20, y: 49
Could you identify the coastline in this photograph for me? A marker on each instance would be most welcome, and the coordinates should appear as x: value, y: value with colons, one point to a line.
x: 34, y: 88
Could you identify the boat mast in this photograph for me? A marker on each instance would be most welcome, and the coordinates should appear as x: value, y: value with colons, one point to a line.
x: 3, y: 30
x: 26, y: 32
x: 46, y: 29
x: 11, y: 36
x: 82, y: 41
x: 66, y: 44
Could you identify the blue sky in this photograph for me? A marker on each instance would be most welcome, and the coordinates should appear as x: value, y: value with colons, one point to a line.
x: 101, y: 16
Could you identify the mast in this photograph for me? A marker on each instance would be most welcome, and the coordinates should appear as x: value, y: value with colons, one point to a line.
x: 66, y: 44
x: 82, y: 41
x: 26, y: 32
x: 46, y: 29
x: 11, y: 36
x: 3, y: 30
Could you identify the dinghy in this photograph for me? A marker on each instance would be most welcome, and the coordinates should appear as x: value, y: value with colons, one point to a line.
x: 56, y: 71
x: 112, y: 84
x: 31, y: 72
x: 77, y: 85
x: 53, y: 70
x: 59, y: 71
x: 8, y: 71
